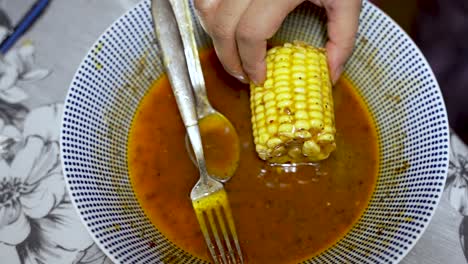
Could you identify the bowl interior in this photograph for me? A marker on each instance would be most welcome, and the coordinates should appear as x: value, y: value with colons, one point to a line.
x: 390, y: 72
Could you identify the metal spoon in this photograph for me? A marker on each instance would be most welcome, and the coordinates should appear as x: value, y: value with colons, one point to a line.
x: 223, y: 154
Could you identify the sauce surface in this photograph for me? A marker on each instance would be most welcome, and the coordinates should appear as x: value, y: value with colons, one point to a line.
x: 282, y: 215
x: 221, y: 146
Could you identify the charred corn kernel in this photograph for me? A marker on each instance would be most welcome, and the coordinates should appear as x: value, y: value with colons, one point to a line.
x: 293, y: 118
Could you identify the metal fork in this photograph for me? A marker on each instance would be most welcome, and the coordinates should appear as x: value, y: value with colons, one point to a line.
x: 209, y: 199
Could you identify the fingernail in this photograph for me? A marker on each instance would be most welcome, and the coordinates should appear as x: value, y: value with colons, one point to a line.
x: 256, y: 82
x: 337, y: 74
x: 241, y: 78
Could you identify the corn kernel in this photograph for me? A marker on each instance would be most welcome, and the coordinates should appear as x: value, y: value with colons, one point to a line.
x: 270, y: 112
x: 270, y: 104
x: 310, y: 148
x: 268, y: 84
x: 283, y: 96
x: 285, y: 128
x: 284, y: 103
x: 301, y: 115
x: 273, y: 142
x: 282, y: 89
x: 272, y: 129
x: 268, y: 96
x: 302, y: 125
x: 302, y: 134
x: 325, y: 138
x: 263, y: 139
x: 285, y: 119
x: 300, y: 105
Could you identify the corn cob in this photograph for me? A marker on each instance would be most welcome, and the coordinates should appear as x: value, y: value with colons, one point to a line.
x: 292, y: 112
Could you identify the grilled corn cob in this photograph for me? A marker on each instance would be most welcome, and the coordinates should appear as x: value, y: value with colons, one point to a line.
x: 292, y: 112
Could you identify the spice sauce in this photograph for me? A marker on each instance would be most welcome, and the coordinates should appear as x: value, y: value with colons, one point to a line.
x: 282, y: 215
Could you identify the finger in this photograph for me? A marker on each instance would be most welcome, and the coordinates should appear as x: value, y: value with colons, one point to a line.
x: 205, y: 10
x: 260, y: 22
x: 223, y: 30
x: 343, y: 20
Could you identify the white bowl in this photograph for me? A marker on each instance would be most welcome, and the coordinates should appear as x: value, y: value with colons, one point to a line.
x: 390, y: 72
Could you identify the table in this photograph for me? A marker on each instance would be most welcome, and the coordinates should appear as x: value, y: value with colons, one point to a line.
x: 34, y: 79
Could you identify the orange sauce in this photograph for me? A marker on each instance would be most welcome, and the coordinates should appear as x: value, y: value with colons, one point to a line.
x: 282, y: 216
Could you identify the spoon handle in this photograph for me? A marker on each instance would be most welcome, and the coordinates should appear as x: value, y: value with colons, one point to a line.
x: 184, y: 21
x: 168, y: 36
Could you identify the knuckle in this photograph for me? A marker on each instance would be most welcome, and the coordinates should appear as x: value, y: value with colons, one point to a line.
x: 205, y: 7
x: 248, y: 33
x: 245, y: 33
x: 222, y: 32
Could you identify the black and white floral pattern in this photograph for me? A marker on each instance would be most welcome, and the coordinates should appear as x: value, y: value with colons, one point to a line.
x: 457, y: 186
x: 457, y: 180
x: 38, y: 223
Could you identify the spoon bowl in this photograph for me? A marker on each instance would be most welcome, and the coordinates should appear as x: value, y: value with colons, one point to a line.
x: 221, y: 146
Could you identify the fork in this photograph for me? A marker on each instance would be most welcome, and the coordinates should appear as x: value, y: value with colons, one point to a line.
x: 209, y: 199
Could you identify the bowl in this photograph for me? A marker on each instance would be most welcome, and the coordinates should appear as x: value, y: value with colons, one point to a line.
x: 391, y: 75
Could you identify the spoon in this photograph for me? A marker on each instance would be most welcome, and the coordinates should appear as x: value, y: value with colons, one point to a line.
x: 220, y: 139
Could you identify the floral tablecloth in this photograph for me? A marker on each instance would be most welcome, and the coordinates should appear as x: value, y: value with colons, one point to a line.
x: 38, y: 223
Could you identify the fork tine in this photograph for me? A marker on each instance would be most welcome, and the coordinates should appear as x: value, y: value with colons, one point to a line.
x: 206, y: 235
x: 214, y: 231
x: 225, y: 234
x: 232, y: 229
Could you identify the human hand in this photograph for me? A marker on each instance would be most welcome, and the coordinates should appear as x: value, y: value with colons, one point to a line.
x: 240, y: 29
